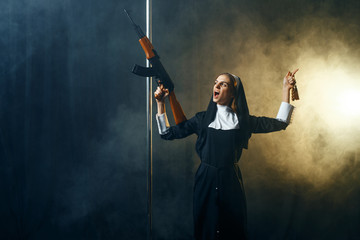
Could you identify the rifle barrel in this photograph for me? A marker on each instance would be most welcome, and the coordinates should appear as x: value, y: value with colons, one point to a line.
x: 138, y: 30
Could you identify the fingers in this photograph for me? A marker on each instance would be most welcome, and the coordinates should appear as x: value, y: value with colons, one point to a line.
x: 293, y: 73
x: 161, y: 87
x: 157, y: 91
x: 157, y: 94
x: 292, y: 81
x: 290, y: 76
x: 165, y: 90
x: 161, y: 93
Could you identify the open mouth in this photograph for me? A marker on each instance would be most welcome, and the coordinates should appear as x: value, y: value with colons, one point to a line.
x: 216, y: 94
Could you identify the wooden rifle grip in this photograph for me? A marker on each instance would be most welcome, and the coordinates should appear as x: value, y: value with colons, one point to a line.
x: 176, y: 108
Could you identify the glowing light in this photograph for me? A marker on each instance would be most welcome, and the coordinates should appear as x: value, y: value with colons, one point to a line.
x: 348, y: 102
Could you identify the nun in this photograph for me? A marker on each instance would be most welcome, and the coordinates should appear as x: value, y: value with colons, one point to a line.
x: 223, y: 131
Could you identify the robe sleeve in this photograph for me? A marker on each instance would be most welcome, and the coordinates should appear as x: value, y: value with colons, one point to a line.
x: 285, y: 112
x: 266, y: 124
x: 163, y: 123
x: 184, y: 129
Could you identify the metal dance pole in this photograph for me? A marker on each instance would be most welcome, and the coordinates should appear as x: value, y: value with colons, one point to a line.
x: 149, y: 123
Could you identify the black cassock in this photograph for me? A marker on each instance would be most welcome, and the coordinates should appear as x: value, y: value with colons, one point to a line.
x: 219, y: 197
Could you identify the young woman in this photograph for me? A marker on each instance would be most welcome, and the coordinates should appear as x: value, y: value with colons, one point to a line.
x: 223, y: 130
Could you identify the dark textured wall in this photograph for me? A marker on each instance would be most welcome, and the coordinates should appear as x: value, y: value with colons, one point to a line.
x: 73, y: 117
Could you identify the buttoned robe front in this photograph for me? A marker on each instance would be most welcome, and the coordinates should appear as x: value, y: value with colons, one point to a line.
x: 219, y: 204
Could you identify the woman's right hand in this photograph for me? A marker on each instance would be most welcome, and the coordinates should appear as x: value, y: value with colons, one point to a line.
x: 289, y: 80
x: 161, y: 93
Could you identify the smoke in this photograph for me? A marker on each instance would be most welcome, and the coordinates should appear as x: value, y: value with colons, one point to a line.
x: 315, y: 144
x: 110, y: 187
x: 72, y: 146
x: 313, y: 165
x: 73, y: 122
x: 241, y: 40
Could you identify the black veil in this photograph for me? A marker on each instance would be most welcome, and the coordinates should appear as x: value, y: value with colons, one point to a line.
x: 242, y: 112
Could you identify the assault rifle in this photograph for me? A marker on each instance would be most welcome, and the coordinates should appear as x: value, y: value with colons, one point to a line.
x: 157, y: 71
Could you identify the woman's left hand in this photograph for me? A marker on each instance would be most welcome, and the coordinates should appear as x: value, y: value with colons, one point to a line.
x: 289, y: 80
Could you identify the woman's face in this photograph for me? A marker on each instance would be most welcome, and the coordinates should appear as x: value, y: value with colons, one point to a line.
x: 223, y: 90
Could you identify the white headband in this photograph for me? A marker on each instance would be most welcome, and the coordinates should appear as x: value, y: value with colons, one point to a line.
x: 236, y: 78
